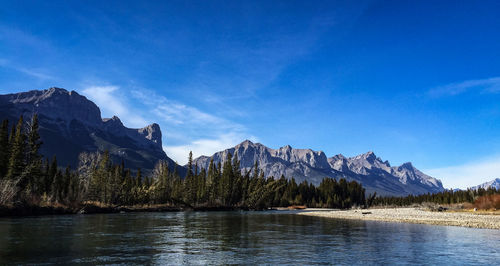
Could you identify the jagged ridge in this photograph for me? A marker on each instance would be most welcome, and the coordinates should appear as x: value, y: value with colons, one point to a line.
x: 495, y: 183
x: 313, y: 166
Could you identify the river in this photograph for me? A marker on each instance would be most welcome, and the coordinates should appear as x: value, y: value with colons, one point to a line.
x: 273, y: 237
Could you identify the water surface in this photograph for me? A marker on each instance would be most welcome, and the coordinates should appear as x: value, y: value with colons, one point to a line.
x: 237, y: 237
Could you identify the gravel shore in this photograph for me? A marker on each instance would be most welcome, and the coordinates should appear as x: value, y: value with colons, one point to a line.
x: 413, y: 215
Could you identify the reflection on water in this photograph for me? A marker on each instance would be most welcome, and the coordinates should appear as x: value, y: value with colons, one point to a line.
x: 237, y: 237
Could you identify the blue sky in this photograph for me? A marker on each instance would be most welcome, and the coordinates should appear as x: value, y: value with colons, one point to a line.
x: 413, y: 81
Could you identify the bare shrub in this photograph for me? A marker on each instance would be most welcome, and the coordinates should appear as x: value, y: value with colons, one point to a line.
x: 87, y: 163
x: 488, y: 202
x: 8, y: 191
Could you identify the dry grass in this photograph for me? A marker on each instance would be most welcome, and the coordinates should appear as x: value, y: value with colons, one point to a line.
x: 297, y: 207
x: 136, y: 206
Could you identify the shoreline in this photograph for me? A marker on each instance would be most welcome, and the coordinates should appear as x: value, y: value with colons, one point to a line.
x: 35, y: 210
x: 413, y: 215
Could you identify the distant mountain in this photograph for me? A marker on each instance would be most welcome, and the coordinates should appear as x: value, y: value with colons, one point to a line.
x: 313, y: 166
x: 495, y: 183
x: 71, y: 124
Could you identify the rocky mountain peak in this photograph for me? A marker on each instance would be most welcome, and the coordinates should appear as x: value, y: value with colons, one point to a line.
x: 369, y: 156
x: 55, y: 103
x: 113, y: 120
x: 246, y: 143
x: 287, y: 148
x: 339, y: 162
x: 407, y: 166
x: 152, y: 132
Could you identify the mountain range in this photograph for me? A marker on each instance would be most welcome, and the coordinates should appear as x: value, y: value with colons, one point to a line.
x: 71, y: 124
x: 375, y: 174
x: 495, y: 183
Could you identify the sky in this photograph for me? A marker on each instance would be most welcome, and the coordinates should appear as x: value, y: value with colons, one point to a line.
x: 412, y: 81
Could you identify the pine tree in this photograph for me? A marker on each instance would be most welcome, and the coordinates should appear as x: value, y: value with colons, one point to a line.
x: 58, y: 186
x: 66, y: 182
x: 17, y: 152
x: 226, y: 182
x: 104, y: 177
x: 34, y: 159
x: 46, y: 182
x: 4, y: 148
x: 189, y: 172
x: 11, y: 136
x: 138, y: 178
x: 190, y: 182
x: 73, y: 191
x: 212, y: 182
x: 236, y: 188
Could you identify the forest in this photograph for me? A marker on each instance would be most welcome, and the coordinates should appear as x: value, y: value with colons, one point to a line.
x: 28, y: 179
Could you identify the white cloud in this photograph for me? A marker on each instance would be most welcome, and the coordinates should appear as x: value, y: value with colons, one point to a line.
x: 489, y: 85
x: 185, y: 128
x: 469, y: 174
x: 112, y: 102
x: 204, y: 147
x: 180, y: 115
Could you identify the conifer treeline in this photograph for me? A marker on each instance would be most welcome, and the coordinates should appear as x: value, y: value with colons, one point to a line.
x: 26, y: 179
x: 221, y: 185
x: 445, y: 197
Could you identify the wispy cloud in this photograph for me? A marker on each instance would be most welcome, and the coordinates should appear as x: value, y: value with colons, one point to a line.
x: 39, y: 74
x: 468, y: 174
x: 187, y: 128
x: 205, y: 146
x: 170, y: 110
x: 175, y: 112
x: 489, y: 85
x: 112, y: 102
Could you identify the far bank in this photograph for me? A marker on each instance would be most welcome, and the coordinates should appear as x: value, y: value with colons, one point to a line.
x: 489, y: 220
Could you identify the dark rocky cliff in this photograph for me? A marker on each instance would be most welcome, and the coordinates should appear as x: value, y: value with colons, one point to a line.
x: 71, y: 124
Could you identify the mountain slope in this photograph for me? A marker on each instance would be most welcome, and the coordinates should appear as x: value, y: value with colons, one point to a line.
x: 71, y: 124
x: 495, y: 183
x: 313, y: 166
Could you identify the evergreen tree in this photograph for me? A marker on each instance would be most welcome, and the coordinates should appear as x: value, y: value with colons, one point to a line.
x: 51, y: 173
x: 138, y: 178
x: 34, y: 159
x: 17, y: 153
x: 212, y: 182
x: 190, y: 182
x: 236, y: 181
x: 4, y: 148
x: 58, y: 187
x: 226, y: 181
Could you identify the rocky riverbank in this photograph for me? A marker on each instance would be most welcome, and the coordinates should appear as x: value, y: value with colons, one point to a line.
x: 414, y: 215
